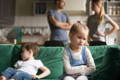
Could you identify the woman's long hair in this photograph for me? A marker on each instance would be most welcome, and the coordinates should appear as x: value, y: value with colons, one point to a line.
x: 100, y: 3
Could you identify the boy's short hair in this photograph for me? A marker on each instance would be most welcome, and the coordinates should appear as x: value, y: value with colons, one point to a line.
x: 31, y: 46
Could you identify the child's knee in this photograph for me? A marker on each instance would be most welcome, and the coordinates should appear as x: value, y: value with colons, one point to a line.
x: 69, y: 78
x: 82, y: 78
x: 3, y: 78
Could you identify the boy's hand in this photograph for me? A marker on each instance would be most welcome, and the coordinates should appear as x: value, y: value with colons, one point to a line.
x: 35, y: 76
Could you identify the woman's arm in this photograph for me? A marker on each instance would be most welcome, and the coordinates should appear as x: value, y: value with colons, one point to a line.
x: 45, y: 73
x: 115, y: 26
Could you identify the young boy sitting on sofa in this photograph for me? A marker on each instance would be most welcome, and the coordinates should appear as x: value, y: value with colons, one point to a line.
x: 26, y: 68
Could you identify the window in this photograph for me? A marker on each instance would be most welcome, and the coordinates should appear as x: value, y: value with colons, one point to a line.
x: 39, y: 8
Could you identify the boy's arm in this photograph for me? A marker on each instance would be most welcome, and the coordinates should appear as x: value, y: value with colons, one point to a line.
x: 16, y: 65
x: 45, y: 73
x: 62, y: 25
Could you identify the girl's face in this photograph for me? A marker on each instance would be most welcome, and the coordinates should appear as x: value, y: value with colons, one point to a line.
x: 60, y: 4
x: 78, y: 39
x: 26, y: 54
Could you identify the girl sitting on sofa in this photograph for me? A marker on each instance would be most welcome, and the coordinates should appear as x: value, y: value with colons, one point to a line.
x: 78, y: 60
x: 27, y: 67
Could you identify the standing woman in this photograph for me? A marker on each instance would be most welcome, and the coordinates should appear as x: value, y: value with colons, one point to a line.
x: 97, y: 24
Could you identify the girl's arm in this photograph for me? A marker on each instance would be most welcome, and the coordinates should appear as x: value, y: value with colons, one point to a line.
x: 70, y: 69
x: 82, y: 69
x: 45, y: 73
x: 115, y: 26
x: 90, y: 65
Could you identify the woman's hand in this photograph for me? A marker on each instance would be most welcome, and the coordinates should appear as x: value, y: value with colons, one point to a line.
x: 101, y: 34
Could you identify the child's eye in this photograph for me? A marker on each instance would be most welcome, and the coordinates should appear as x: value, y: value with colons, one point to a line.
x: 82, y: 38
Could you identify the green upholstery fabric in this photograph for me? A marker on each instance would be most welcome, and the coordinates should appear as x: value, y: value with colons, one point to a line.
x: 53, y: 59
x: 107, y: 60
x: 5, y: 56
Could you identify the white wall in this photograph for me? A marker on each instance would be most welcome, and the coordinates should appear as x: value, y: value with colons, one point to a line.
x: 31, y: 21
x: 42, y: 20
x: 75, y: 5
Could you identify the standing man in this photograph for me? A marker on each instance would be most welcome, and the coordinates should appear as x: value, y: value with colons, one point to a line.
x: 59, y: 22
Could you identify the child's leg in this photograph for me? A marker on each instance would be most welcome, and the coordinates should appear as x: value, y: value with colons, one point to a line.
x: 20, y: 75
x: 69, y: 78
x: 3, y: 78
x: 82, y: 78
x: 8, y: 73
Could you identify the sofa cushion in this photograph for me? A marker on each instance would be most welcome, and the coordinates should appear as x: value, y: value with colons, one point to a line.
x: 107, y: 60
x: 5, y: 56
x: 52, y: 57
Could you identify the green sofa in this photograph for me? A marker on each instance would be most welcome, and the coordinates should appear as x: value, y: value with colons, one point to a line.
x: 106, y: 59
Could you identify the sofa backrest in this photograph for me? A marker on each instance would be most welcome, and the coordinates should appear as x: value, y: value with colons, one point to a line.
x: 5, y: 56
x: 107, y: 60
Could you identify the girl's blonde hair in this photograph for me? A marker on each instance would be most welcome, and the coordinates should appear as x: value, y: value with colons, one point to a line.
x: 100, y: 3
x: 78, y: 27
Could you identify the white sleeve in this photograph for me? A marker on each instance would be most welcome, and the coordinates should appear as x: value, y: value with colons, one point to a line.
x: 107, y: 17
x: 82, y: 69
x: 39, y: 64
x: 16, y: 65
x: 90, y: 63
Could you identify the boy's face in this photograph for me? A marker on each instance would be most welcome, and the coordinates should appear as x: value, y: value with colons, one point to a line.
x: 26, y: 54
